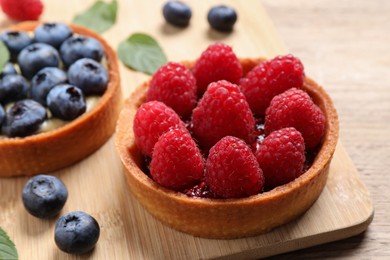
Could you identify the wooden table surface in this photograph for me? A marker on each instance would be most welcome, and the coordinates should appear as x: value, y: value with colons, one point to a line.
x: 345, y: 45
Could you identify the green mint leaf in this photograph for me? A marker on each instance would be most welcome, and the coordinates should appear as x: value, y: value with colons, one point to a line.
x: 99, y: 17
x: 142, y: 53
x: 7, y: 247
x: 4, y: 56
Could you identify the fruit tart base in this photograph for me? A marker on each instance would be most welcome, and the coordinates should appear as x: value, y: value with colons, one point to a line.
x: 227, y: 218
x: 49, y: 151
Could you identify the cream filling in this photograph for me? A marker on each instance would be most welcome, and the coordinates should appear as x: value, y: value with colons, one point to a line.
x: 51, y: 122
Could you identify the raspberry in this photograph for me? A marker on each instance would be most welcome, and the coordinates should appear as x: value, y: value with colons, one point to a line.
x: 151, y: 121
x: 22, y: 9
x: 294, y: 108
x: 174, y: 85
x: 217, y: 62
x: 222, y: 111
x: 281, y: 156
x: 269, y: 79
x: 176, y: 163
x: 232, y: 170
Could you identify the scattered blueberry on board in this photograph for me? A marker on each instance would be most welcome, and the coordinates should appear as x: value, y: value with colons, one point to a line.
x: 76, y: 232
x: 177, y: 13
x: 222, y: 18
x: 44, y: 196
x: 49, y: 56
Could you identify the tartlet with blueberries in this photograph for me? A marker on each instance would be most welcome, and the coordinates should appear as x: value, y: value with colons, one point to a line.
x: 223, y: 147
x: 60, y: 96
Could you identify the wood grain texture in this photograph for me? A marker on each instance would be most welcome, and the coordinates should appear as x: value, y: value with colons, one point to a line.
x: 345, y: 46
x: 97, y: 184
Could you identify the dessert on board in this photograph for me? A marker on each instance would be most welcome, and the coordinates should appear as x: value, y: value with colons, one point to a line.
x: 60, y: 96
x: 227, y: 147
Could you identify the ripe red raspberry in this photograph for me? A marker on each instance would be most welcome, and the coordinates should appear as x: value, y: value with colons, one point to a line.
x: 176, y: 163
x: 152, y: 120
x: 222, y: 111
x: 294, y: 108
x: 22, y: 9
x: 269, y: 79
x: 174, y: 85
x: 281, y: 156
x: 232, y: 170
x: 217, y: 62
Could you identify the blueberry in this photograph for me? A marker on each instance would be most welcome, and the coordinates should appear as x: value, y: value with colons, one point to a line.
x: 23, y: 118
x: 15, y: 42
x: 8, y: 70
x: 53, y: 34
x: 90, y: 76
x: 77, y: 47
x: 76, y: 232
x: 37, y: 56
x: 222, y: 18
x: 2, y: 114
x: 44, y: 81
x: 66, y: 102
x: 177, y: 13
x: 12, y: 88
x: 44, y: 196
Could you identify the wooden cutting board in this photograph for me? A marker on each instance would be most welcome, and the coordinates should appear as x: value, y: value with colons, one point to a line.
x: 97, y: 185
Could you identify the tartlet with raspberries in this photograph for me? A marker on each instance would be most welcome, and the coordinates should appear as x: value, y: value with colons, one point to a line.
x: 223, y: 147
x: 60, y: 96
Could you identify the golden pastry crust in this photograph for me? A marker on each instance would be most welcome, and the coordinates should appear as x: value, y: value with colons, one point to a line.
x: 46, y: 152
x: 227, y: 218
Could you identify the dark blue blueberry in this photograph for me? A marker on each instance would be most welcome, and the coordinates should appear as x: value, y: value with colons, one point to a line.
x: 12, y: 88
x: 44, y: 81
x: 23, y: 118
x: 44, y: 196
x: 8, y: 70
x: 222, y: 18
x: 66, y: 102
x: 2, y: 114
x: 177, y: 13
x: 37, y: 56
x: 15, y: 42
x: 76, y: 232
x: 77, y: 47
x: 90, y: 76
x: 53, y: 34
